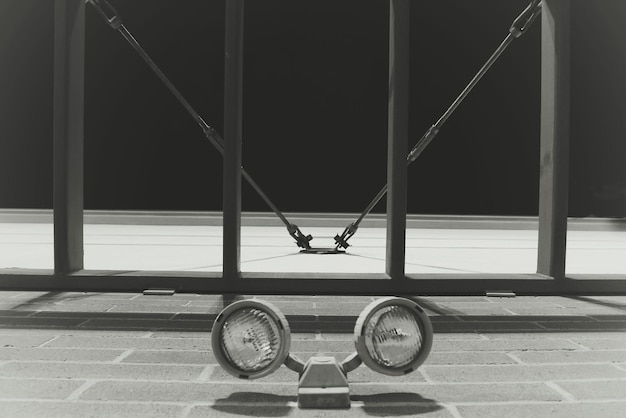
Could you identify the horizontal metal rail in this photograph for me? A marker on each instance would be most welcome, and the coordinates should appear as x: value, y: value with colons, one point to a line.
x: 371, y: 284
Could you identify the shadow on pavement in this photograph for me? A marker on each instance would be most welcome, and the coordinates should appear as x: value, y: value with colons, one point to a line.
x: 270, y: 405
x: 396, y: 403
x: 256, y: 404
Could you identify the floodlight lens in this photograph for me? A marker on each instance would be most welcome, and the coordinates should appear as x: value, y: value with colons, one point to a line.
x: 393, y: 337
x: 250, y: 339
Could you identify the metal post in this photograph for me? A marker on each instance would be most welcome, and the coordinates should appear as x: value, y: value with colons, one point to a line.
x: 398, y: 122
x: 68, y: 122
x: 554, y: 163
x: 233, y: 97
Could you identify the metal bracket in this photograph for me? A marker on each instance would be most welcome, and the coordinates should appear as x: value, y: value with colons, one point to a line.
x: 500, y: 294
x: 159, y: 292
x: 323, y: 385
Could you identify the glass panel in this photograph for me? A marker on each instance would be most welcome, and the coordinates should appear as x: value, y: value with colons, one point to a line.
x: 483, y: 164
x: 446, y: 245
x: 143, y: 151
x: 137, y: 243
x: 26, y: 33
x: 315, y: 132
x: 26, y: 241
x: 596, y: 238
x: 270, y: 248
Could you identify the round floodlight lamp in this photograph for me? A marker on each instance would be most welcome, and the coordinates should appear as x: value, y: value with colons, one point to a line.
x: 250, y: 339
x: 393, y: 336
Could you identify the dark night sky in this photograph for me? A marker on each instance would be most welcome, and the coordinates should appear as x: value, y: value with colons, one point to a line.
x: 315, y: 106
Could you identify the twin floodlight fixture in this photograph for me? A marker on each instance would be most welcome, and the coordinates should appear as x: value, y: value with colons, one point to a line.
x: 252, y: 338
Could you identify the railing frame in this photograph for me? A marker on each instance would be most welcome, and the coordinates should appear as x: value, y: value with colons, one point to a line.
x: 69, y: 273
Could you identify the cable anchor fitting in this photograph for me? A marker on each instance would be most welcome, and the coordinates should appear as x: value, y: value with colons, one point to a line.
x: 524, y: 20
x: 301, y: 240
x: 422, y: 144
x: 342, y: 241
x: 112, y: 17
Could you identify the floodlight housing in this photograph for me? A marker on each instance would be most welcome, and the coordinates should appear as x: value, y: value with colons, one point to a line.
x: 393, y: 336
x: 250, y: 339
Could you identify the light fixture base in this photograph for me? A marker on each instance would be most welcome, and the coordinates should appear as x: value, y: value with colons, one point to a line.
x: 323, y: 385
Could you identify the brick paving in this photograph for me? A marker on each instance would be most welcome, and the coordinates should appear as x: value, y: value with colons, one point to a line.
x: 131, y: 355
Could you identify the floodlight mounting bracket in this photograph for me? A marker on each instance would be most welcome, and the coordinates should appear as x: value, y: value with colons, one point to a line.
x: 323, y: 385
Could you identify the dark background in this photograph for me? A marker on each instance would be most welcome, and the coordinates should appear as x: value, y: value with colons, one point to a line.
x: 315, y: 106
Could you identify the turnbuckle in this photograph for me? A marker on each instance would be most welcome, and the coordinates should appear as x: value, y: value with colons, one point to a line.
x: 524, y: 20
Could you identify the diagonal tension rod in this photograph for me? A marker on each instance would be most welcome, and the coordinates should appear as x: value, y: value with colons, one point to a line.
x: 517, y: 29
x: 112, y: 18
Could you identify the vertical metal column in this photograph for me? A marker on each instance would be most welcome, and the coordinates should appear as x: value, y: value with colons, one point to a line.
x: 68, y: 123
x: 554, y: 164
x: 233, y: 97
x: 398, y: 131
